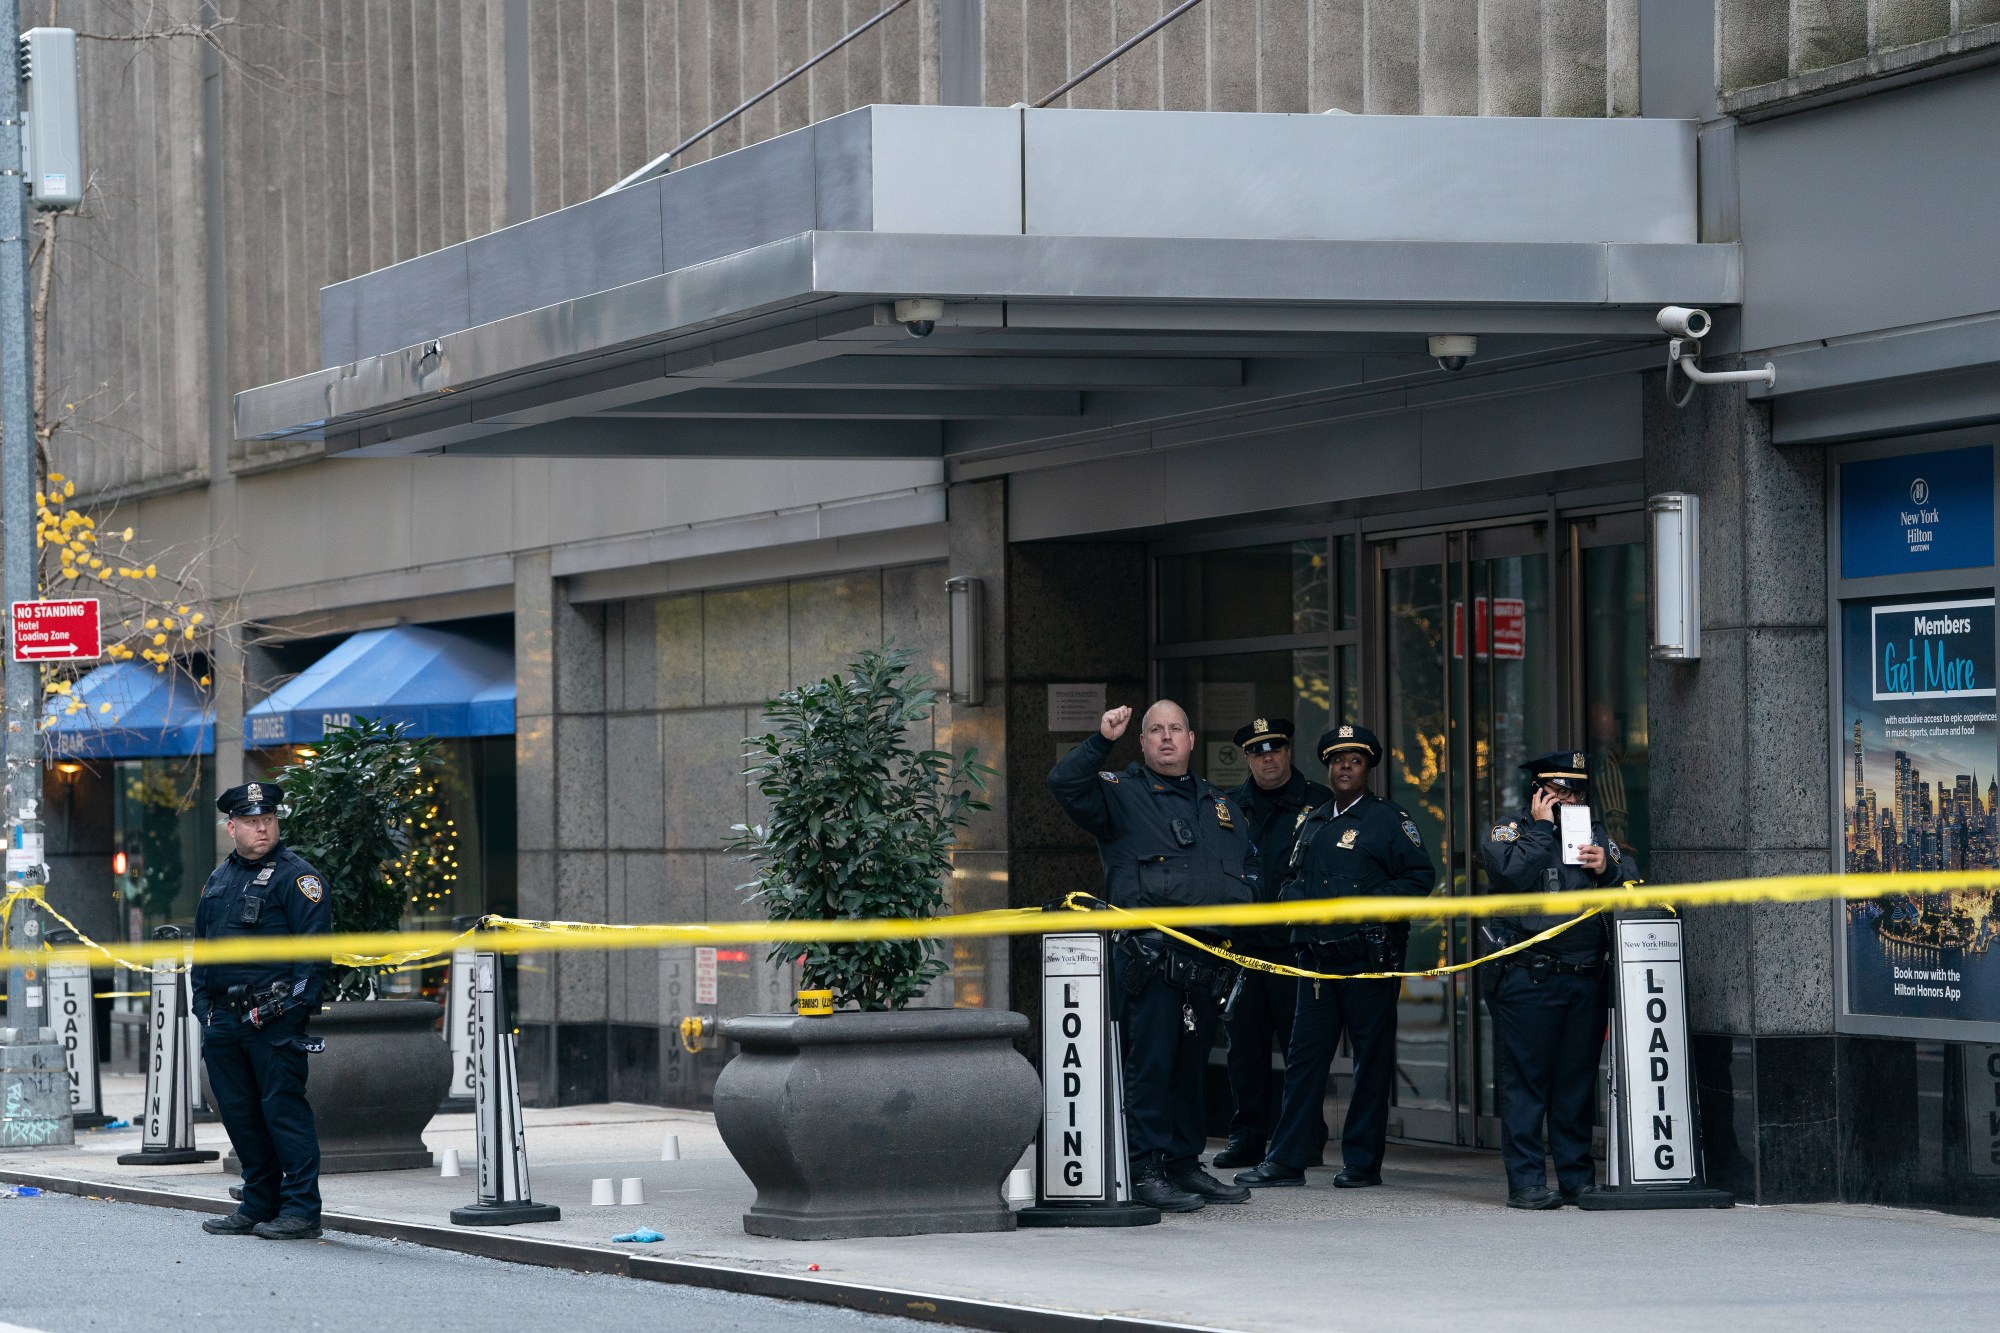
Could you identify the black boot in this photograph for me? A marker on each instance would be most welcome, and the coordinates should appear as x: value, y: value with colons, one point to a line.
x: 1240, y: 1152
x: 1151, y: 1187
x: 1198, y: 1182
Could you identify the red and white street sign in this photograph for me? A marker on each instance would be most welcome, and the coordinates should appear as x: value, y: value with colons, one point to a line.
x: 57, y: 631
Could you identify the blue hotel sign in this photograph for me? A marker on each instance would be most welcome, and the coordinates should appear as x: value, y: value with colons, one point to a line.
x: 1916, y: 512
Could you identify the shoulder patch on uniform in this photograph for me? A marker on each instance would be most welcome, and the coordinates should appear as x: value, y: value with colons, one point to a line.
x: 1612, y: 847
x: 1107, y: 775
x: 1508, y: 832
x: 311, y: 887
x: 1410, y: 832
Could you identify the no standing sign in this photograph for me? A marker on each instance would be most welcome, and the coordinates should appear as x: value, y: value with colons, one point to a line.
x: 56, y: 631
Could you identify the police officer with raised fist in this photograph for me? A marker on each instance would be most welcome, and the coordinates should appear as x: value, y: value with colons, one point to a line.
x: 253, y: 1019
x: 1548, y: 1001
x: 1167, y: 839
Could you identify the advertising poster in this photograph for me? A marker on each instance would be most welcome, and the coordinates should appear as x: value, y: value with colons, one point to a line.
x: 1919, y: 787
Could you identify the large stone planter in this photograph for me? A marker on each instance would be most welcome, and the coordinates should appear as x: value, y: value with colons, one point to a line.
x: 877, y: 1124
x: 376, y: 1085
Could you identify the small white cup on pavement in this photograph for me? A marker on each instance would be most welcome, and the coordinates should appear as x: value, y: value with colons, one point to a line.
x: 600, y: 1191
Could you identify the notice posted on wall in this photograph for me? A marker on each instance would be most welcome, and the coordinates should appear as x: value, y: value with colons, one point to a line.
x: 1919, y: 788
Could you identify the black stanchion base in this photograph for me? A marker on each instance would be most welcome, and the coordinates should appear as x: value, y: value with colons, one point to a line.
x: 1087, y: 1215
x: 89, y: 1120
x: 1624, y: 1198
x: 456, y: 1106
x: 505, y: 1214
x: 168, y: 1157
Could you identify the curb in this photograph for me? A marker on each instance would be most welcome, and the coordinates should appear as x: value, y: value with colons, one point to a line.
x: 956, y: 1311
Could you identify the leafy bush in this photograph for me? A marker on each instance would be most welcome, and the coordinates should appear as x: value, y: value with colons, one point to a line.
x: 350, y: 809
x: 862, y: 824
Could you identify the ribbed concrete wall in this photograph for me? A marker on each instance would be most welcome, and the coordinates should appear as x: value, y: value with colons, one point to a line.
x: 358, y: 133
x: 1773, y: 50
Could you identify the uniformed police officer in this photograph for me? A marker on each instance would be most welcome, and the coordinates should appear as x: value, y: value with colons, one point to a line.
x: 1548, y: 1002
x: 1275, y: 798
x: 253, y: 1017
x: 1355, y: 845
x: 1167, y: 839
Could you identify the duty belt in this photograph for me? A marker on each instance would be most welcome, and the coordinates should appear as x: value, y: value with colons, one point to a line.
x: 1150, y: 953
x: 1541, y: 966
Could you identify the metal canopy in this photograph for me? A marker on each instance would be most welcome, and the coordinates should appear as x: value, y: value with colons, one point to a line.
x: 1101, y: 270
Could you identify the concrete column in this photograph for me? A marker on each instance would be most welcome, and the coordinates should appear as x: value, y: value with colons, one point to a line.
x: 1739, y: 780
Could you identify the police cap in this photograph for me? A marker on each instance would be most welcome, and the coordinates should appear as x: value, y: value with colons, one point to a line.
x: 1350, y: 736
x: 1264, y: 735
x: 1567, y: 770
x: 252, y: 798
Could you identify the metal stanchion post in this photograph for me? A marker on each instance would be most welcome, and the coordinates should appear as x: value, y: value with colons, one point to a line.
x: 1083, y: 1180
x: 1653, y: 1136
x: 504, y: 1198
x: 72, y: 1012
x: 167, y: 1119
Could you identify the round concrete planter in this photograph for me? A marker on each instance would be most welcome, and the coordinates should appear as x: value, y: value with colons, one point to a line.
x: 877, y: 1124
x: 376, y: 1085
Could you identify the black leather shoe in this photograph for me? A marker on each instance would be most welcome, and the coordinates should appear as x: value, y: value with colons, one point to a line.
x: 1352, y: 1179
x: 1570, y: 1196
x: 1270, y: 1173
x: 236, y: 1224
x: 288, y: 1227
x: 236, y: 1193
x: 1238, y: 1154
x: 1201, y: 1184
x: 1156, y: 1191
x: 1540, y: 1199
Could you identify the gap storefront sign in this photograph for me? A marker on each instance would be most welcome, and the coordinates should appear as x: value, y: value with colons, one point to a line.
x: 1917, y: 753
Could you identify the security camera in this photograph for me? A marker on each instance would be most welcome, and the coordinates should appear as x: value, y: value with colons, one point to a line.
x: 1453, y: 350
x: 920, y: 316
x: 1679, y: 321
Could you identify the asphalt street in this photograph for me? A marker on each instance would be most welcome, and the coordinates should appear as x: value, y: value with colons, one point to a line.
x: 77, y: 1263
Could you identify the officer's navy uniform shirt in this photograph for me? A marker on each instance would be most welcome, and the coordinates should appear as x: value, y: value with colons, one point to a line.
x: 1132, y: 814
x: 1524, y: 855
x: 294, y: 902
x: 1369, y: 849
x: 1275, y: 817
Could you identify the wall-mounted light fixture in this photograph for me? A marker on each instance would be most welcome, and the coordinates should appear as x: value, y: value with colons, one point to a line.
x: 69, y: 768
x: 968, y: 622
x: 120, y: 863
x: 1676, y: 525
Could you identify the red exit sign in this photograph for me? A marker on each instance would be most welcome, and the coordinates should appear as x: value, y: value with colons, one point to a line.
x: 57, y: 631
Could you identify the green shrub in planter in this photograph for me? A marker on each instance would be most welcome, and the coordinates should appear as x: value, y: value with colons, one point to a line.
x: 862, y: 824
x: 354, y: 809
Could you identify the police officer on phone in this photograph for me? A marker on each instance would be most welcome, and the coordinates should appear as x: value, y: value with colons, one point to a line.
x: 253, y: 1019
x: 1356, y: 845
x: 1276, y: 798
x: 1167, y: 839
x: 1548, y: 1001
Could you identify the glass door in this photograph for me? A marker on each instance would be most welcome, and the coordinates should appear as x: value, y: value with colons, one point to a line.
x: 1470, y: 676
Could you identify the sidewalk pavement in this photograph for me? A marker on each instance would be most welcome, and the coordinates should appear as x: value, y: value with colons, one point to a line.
x: 1433, y: 1249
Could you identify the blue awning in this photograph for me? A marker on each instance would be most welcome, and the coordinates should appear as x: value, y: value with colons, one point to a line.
x: 435, y: 682
x: 128, y: 711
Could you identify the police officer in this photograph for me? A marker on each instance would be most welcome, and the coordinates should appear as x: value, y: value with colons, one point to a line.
x: 1548, y: 1002
x: 1356, y: 845
x: 1167, y: 839
x: 253, y: 1017
x: 1276, y: 799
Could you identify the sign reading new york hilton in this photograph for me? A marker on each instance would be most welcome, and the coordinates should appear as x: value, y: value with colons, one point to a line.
x: 1921, y: 782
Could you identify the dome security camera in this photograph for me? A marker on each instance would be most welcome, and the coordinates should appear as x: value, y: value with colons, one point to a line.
x: 920, y: 315
x: 1453, y: 350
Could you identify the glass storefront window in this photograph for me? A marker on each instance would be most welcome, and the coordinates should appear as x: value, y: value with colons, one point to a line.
x: 1615, y: 655
x: 163, y: 820
x: 1247, y: 593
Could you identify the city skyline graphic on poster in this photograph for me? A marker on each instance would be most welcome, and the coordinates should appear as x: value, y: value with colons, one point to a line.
x: 1920, y: 791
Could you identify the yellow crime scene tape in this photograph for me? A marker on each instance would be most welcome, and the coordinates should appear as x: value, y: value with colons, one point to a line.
x: 509, y: 935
